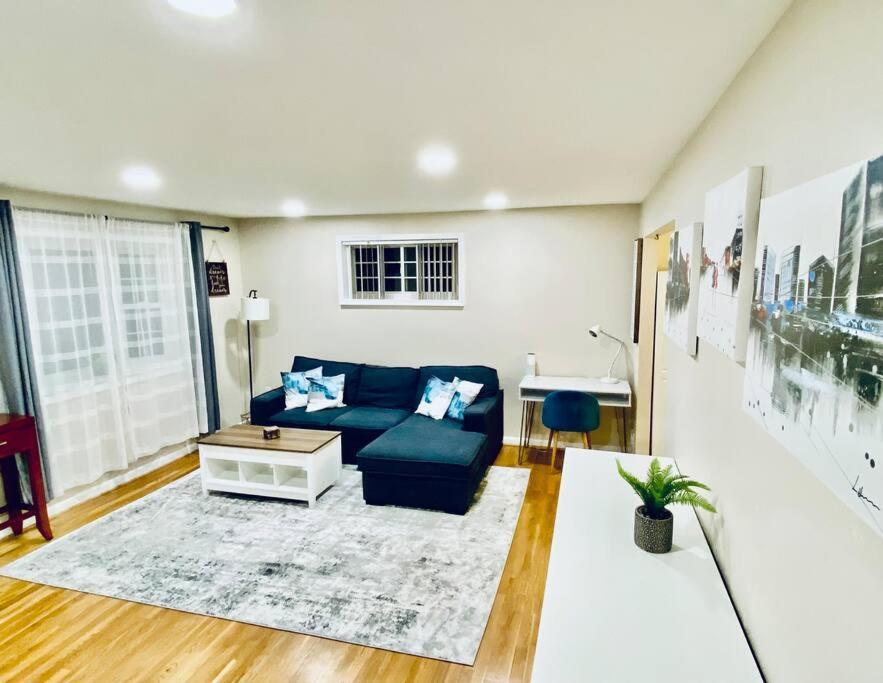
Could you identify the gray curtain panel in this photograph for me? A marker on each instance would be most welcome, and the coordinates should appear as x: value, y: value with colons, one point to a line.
x: 17, y: 371
x: 204, y: 317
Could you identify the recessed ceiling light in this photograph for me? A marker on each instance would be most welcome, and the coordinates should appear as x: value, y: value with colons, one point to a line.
x: 141, y: 178
x: 496, y: 200
x: 205, y: 8
x: 294, y: 208
x: 437, y: 160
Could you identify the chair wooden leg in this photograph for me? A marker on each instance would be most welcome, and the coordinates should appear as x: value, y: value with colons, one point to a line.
x: 38, y: 496
x: 585, y: 439
x: 554, y: 448
x: 589, y: 438
x: 549, y: 445
x: 12, y: 492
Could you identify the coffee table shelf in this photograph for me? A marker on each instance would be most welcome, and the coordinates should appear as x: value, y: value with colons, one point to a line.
x: 299, y: 466
x: 256, y: 473
x: 290, y: 477
x: 224, y: 470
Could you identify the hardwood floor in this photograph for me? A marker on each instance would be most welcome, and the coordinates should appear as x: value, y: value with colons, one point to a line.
x: 49, y: 634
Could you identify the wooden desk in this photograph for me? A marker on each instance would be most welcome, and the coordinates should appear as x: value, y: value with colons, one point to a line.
x: 18, y: 434
x: 612, y: 612
x: 534, y: 389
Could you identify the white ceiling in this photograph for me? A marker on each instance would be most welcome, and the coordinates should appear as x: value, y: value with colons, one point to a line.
x: 554, y: 103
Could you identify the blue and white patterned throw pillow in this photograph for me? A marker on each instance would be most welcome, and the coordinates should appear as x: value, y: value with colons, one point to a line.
x: 464, y: 397
x: 325, y: 392
x: 297, y: 387
x: 436, y: 398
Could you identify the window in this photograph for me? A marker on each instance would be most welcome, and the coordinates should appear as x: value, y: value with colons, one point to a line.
x: 141, y: 310
x: 366, y: 272
x: 69, y: 337
x: 395, y: 270
x: 115, y: 337
x: 91, y: 282
x: 400, y: 269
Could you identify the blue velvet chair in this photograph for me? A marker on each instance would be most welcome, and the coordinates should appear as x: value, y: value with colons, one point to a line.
x: 570, y: 411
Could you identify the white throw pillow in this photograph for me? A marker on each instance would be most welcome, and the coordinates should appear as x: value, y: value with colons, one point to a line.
x: 297, y: 387
x: 464, y: 396
x: 325, y: 392
x: 436, y: 398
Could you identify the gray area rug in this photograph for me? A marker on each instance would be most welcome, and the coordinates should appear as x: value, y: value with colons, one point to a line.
x: 412, y: 581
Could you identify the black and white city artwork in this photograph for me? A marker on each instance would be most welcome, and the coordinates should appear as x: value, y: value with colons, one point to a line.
x: 728, y: 240
x: 814, y: 366
x: 682, y: 289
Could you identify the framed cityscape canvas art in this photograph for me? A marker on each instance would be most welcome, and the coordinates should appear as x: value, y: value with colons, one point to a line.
x: 814, y: 366
x: 681, y: 292
x: 728, y: 239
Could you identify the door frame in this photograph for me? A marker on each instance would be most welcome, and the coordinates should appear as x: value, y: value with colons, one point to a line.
x: 657, y: 391
x: 655, y: 260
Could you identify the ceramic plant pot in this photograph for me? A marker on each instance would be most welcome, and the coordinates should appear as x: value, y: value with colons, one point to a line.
x: 651, y: 534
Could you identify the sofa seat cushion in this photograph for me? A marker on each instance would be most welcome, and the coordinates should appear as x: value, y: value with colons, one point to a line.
x: 421, y: 446
x: 370, y: 419
x: 330, y: 368
x: 301, y: 419
x: 387, y: 387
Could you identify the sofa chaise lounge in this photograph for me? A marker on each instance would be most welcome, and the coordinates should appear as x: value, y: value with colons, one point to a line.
x: 405, y: 459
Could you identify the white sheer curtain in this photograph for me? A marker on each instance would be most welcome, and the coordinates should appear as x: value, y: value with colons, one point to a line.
x: 111, y: 309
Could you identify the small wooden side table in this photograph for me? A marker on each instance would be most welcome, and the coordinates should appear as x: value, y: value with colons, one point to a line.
x: 18, y: 434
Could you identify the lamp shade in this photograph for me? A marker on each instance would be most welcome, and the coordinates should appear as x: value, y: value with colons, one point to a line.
x: 255, y: 308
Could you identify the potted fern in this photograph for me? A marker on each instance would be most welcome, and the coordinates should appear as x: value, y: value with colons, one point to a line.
x: 653, y: 522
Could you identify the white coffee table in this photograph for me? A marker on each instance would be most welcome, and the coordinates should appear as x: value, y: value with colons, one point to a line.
x: 299, y: 465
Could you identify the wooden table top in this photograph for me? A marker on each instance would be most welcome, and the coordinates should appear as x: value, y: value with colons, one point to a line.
x: 252, y: 436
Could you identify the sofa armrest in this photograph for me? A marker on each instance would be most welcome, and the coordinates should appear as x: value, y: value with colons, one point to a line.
x: 267, y: 404
x: 486, y: 416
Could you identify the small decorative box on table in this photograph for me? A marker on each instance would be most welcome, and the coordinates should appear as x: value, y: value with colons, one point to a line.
x: 299, y: 465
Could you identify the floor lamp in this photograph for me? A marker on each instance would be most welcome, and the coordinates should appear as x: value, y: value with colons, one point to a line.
x: 253, y: 308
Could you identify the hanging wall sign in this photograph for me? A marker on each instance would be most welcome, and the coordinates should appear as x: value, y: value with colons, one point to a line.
x: 216, y: 275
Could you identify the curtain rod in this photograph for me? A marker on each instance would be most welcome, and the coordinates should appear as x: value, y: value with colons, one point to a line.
x: 221, y: 228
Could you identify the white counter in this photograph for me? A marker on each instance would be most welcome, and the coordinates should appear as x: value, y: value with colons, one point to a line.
x: 613, y: 612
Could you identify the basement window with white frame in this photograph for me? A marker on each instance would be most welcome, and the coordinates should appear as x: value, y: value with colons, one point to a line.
x: 401, y: 270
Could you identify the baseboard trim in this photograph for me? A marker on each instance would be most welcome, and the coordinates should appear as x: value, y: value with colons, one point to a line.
x: 543, y: 443
x: 124, y: 477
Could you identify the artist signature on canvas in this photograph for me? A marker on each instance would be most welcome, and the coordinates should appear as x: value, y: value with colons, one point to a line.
x: 860, y: 493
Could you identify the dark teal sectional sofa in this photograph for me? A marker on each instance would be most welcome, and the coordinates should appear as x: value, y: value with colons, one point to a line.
x: 405, y: 459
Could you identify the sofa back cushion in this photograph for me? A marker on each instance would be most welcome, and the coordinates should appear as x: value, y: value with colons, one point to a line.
x: 330, y: 368
x: 383, y: 387
x: 480, y: 374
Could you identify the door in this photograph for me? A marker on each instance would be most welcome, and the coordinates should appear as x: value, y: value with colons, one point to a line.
x: 660, y: 371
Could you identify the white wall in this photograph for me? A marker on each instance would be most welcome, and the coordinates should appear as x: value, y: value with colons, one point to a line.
x: 536, y: 280
x: 805, y: 573
x: 228, y: 333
